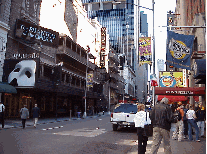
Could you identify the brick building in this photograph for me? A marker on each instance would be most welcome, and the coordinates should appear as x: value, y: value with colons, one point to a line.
x: 46, y: 67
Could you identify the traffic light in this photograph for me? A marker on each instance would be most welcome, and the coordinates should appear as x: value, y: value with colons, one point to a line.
x: 170, y: 19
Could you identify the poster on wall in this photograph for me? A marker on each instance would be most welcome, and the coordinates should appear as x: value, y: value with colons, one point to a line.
x: 21, y: 73
x: 145, y: 54
x: 170, y: 79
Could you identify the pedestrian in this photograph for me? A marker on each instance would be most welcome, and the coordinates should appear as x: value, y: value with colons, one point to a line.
x: 185, y: 121
x: 24, y: 115
x: 36, y: 114
x: 161, y: 117
x: 191, y: 116
x: 2, y: 109
x: 140, y: 121
x: 179, y: 128
x: 201, y: 116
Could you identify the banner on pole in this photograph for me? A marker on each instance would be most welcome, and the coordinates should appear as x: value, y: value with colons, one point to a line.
x: 145, y: 54
x: 89, y: 79
x: 179, y: 50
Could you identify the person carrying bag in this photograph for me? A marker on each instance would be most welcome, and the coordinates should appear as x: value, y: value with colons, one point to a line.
x: 141, y: 120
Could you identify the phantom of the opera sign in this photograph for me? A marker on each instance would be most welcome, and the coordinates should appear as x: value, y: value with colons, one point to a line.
x: 32, y: 33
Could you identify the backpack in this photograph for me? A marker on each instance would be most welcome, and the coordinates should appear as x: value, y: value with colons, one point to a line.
x: 177, y: 116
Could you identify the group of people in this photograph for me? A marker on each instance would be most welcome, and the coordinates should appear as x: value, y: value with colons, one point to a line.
x: 190, y: 118
x: 24, y: 112
x: 161, y: 116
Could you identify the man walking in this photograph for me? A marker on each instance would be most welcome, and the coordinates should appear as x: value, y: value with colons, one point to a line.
x: 36, y: 114
x: 161, y: 117
x: 24, y: 115
x: 2, y: 109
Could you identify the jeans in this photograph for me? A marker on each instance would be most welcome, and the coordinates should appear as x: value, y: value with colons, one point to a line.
x: 23, y: 123
x: 178, y: 133
x: 201, y: 127
x: 142, y: 141
x: 185, y: 122
x: 192, y: 123
x: 35, y: 121
x: 158, y: 135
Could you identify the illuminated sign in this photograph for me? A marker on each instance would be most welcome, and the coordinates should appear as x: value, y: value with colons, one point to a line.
x: 32, y: 33
x: 103, y: 47
x: 170, y: 79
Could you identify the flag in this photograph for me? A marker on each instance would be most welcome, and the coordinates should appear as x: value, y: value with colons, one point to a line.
x: 179, y: 50
x: 145, y: 54
x: 153, y: 80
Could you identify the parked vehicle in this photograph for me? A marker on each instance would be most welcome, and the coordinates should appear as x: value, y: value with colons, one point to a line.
x: 123, y: 115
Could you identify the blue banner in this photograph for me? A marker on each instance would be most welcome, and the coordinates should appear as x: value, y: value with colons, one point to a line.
x: 179, y: 50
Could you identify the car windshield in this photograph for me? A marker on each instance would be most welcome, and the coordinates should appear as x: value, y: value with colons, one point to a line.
x: 126, y: 108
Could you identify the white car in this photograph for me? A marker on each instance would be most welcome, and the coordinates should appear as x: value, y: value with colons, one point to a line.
x: 123, y: 115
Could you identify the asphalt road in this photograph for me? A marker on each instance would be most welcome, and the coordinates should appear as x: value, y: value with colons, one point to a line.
x: 85, y: 136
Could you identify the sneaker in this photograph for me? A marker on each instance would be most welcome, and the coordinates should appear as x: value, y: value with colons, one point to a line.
x: 198, y: 140
x: 185, y: 137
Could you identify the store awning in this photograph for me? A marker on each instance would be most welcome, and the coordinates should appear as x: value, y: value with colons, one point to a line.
x: 185, y: 91
x: 6, y: 88
x: 173, y: 98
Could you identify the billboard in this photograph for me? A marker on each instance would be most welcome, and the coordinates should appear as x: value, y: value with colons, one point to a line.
x: 170, y: 79
x: 21, y: 73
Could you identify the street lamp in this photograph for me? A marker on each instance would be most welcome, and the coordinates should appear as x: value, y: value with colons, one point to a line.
x: 86, y: 81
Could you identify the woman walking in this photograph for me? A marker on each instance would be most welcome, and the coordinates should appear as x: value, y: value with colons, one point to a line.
x: 140, y: 121
x: 191, y: 116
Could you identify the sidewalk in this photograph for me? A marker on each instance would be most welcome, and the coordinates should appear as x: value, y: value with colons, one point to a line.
x: 183, y: 147
x: 17, y: 123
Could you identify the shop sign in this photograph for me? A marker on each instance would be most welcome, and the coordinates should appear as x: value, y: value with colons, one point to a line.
x: 26, y: 56
x: 32, y: 33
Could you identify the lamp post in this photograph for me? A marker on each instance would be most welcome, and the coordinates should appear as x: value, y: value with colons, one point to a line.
x: 86, y: 81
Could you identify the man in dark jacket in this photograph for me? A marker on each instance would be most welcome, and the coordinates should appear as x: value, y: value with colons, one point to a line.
x: 36, y: 114
x: 201, y: 116
x: 161, y: 117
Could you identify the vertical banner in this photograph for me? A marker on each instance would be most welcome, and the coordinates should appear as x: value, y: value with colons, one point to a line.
x: 90, y: 79
x: 145, y: 54
x: 179, y: 50
x: 103, y: 47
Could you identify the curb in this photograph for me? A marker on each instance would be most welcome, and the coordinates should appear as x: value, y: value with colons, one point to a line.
x: 6, y: 126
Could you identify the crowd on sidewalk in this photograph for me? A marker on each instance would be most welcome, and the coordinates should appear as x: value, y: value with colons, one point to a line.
x: 185, y: 117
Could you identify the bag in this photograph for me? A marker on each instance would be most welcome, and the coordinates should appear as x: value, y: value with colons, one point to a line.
x: 176, y: 116
x: 148, y: 129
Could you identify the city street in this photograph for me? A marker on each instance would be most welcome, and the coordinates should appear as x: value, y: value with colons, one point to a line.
x: 80, y: 136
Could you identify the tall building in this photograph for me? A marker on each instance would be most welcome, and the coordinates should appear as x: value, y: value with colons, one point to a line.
x: 121, y: 20
x: 143, y: 24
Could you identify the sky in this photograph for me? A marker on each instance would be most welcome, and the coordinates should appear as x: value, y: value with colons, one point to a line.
x: 161, y: 9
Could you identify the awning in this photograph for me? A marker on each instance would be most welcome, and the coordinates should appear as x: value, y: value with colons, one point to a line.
x: 6, y: 88
x: 173, y: 98
x: 187, y: 91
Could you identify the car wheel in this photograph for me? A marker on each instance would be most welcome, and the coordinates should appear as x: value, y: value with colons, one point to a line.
x: 115, y: 127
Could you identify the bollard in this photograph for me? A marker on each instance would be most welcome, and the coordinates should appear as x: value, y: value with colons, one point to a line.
x: 70, y: 113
